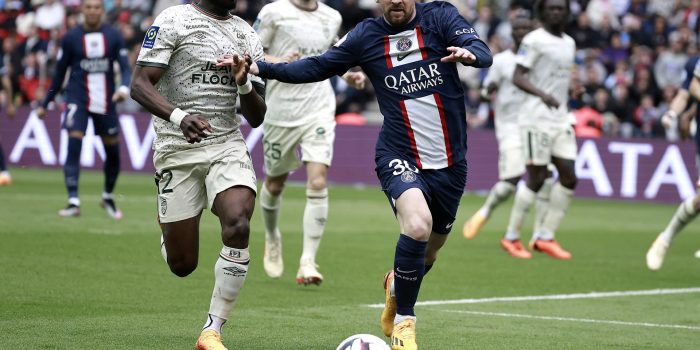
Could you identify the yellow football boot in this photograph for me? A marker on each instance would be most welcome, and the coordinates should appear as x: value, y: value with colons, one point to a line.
x: 387, y: 319
x: 209, y: 340
x: 404, y: 336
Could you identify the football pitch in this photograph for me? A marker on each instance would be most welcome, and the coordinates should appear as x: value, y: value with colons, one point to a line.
x: 93, y: 283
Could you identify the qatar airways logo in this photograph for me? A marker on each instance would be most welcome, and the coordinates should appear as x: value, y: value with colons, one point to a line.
x: 416, y: 79
x: 95, y: 65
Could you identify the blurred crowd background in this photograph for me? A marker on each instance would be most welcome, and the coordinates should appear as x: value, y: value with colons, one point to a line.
x: 630, y: 60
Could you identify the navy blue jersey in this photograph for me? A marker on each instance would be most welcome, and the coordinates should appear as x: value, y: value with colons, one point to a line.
x: 420, y: 97
x: 692, y: 70
x: 90, y: 57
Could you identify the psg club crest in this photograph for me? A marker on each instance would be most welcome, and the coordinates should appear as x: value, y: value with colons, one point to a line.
x: 408, y: 176
x: 404, y: 44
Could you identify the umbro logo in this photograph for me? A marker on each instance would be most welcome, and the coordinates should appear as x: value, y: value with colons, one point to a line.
x: 235, y: 271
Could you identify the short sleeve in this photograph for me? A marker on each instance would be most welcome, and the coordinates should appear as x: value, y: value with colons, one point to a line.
x: 265, y: 26
x: 159, y: 42
x: 527, y: 53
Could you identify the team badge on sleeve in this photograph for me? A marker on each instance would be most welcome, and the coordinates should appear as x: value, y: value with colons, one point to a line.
x: 150, y: 39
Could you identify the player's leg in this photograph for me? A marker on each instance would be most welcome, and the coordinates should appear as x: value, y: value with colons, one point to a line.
x: 5, y: 179
x: 107, y: 126
x: 75, y: 122
x: 511, y: 167
x: 316, y: 153
x: 564, y: 158
x: 230, y: 185
x: 279, y: 145
x: 542, y: 201
x: 686, y: 212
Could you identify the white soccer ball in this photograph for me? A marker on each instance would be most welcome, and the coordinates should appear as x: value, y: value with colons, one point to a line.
x: 363, y: 342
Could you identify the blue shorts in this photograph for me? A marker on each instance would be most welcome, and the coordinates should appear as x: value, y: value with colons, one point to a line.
x: 442, y: 188
x: 76, y: 119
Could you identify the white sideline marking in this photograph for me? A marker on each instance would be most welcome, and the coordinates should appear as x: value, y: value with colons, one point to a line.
x: 591, y: 295
x: 569, y: 319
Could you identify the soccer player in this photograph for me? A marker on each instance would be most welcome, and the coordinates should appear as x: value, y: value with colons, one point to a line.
x: 543, y: 71
x: 5, y: 178
x: 200, y: 156
x: 409, y: 54
x: 90, y: 50
x: 511, y: 164
x: 689, y: 209
x: 298, y: 115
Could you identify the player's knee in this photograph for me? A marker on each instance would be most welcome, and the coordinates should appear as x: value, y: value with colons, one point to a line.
x: 182, y: 267
x: 316, y: 183
x: 418, y: 227
x: 235, y: 231
x: 569, y: 180
x: 274, y: 187
x: 535, y: 183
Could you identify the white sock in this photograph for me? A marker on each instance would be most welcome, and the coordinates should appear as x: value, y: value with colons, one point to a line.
x: 163, y: 251
x: 684, y: 214
x: 315, y: 216
x: 498, y: 194
x: 542, y: 203
x: 74, y: 200
x: 229, y: 275
x: 4, y: 173
x: 214, y: 323
x: 400, y: 318
x: 524, y: 198
x: 270, y: 211
x: 106, y: 195
x: 558, y: 204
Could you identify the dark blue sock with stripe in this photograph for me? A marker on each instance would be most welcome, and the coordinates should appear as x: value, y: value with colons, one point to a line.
x: 3, y: 165
x: 111, y: 168
x: 409, y: 267
x: 71, y: 170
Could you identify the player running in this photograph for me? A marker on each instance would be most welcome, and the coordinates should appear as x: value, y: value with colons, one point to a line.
x: 90, y: 50
x: 410, y: 55
x: 689, y: 209
x: 298, y: 116
x: 511, y: 164
x: 543, y: 71
x: 200, y: 157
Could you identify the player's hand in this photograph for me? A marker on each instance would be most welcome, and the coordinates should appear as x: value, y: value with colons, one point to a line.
x: 118, y: 96
x: 240, y: 66
x: 291, y: 57
x: 355, y: 79
x: 193, y: 126
x: 11, y: 110
x: 668, y: 119
x: 550, y: 101
x: 41, y: 112
x: 458, y: 54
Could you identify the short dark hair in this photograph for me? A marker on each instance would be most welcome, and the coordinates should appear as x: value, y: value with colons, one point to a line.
x: 539, y: 8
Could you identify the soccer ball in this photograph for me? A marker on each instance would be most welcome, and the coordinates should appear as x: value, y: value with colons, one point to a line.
x: 362, y: 342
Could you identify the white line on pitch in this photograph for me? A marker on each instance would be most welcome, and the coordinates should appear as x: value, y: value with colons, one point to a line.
x: 569, y: 319
x: 591, y: 295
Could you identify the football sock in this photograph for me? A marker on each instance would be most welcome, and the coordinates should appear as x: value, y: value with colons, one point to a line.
x: 229, y: 275
x: 315, y: 216
x: 111, y: 167
x: 542, y: 202
x: 400, y: 318
x: 71, y: 169
x: 270, y: 211
x: 427, y: 269
x: 409, y: 267
x: 498, y: 194
x: 524, y: 198
x: 3, y: 165
x: 214, y: 323
x: 558, y: 204
x: 686, y: 213
x: 163, y: 251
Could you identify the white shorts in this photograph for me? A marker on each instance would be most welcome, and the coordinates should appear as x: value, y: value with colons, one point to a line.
x: 511, y: 163
x: 541, y: 143
x: 189, y: 180
x: 280, y: 146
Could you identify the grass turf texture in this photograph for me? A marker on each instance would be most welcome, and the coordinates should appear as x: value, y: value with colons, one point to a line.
x: 93, y: 283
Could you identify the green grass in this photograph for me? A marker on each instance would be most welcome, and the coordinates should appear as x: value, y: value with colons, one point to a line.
x: 92, y: 283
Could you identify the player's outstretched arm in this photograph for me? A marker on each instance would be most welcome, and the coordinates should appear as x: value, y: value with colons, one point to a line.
x: 143, y: 91
x: 521, y: 81
x: 253, y: 105
x: 58, y: 76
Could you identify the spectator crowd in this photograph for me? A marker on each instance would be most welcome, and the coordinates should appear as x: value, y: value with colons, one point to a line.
x: 630, y: 59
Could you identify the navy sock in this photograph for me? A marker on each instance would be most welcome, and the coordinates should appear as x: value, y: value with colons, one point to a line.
x: 71, y: 170
x: 111, y: 169
x: 409, y: 266
x: 427, y: 269
x: 3, y: 166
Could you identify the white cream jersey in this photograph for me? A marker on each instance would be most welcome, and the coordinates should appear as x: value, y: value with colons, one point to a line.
x: 509, y: 99
x: 186, y: 42
x: 550, y: 60
x: 284, y: 28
